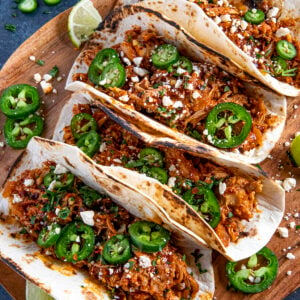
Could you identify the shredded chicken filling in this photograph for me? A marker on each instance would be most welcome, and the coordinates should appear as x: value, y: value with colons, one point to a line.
x: 258, y: 41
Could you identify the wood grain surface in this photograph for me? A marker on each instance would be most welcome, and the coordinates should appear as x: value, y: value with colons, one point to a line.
x: 51, y: 44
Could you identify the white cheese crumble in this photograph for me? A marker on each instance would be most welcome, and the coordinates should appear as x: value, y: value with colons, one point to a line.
x: 102, y: 82
x: 172, y: 168
x: 166, y: 101
x: 177, y: 104
x: 46, y: 87
x: 289, y: 183
x: 59, y: 169
x: 273, y: 12
x: 205, y: 132
x: 195, y: 95
x: 28, y: 182
x: 243, y: 25
x: 292, y: 225
x: 171, y: 182
x: 189, y: 86
x: 135, y: 79
x: 217, y: 20
x: 144, y: 261
x: 289, y: 273
x: 283, y: 232
x: 124, y: 98
x: 77, y: 239
x: 1, y: 144
x: 282, y: 31
x: 17, y: 199
x: 180, y: 71
x: 178, y: 83
x: 290, y: 256
x: 52, y: 185
x: 140, y: 71
x: 37, y: 77
x: 222, y: 188
x: 57, y: 230
x: 57, y: 210
x: 102, y: 147
x: 32, y: 57
x: 126, y: 61
x: 137, y: 60
x: 225, y: 18
x: 47, y: 77
x: 88, y: 217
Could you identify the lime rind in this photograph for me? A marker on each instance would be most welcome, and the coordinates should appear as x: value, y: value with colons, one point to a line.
x: 83, y: 20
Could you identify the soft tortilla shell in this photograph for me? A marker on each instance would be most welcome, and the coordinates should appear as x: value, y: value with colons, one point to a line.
x: 205, y: 30
x: 23, y: 254
x: 114, y: 31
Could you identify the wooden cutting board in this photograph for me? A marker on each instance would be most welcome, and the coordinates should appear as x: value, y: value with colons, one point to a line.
x: 51, y: 44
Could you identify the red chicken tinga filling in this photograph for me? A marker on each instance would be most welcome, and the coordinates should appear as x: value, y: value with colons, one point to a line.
x: 197, y: 99
x: 259, y: 33
x: 222, y: 197
x: 133, y: 259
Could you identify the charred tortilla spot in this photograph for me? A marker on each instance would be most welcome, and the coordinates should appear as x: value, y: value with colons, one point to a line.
x: 68, y: 162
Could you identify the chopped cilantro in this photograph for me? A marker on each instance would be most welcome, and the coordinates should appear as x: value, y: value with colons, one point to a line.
x: 114, y: 209
x: 32, y: 220
x: 10, y: 27
x: 196, y: 135
x: 258, y: 55
x: 251, y: 38
x: 23, y: 231
x: 226, y: 89
x: 124, y: 159
x: 184, y: 257
x: 201, y: 271
x: 188, y: 182
x: 162, y: 92
x: 154, y: 262
x: 197, y: 255
x: 131, y: 263
x: 268, y: 53
x: 14, y: 15
x: 54, y: 71
x: 161, y: 109
x: 156, y: 85
x: 46, y: 12
x: 258, y: 166
x: 297, y: 227
x: 64, y: 213
x: 40, y: 62
x: 230, y: 215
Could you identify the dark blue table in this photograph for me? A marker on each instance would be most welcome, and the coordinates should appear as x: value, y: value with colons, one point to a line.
x: 26, y: 25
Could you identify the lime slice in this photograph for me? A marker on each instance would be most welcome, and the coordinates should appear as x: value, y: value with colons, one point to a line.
x: 83, y: 20
x: 295, y: 150
x: 33, y: 292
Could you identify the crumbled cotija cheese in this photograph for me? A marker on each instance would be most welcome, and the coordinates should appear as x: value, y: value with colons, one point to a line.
x: 289, y: 183
x: 88, y: 217
x: 283, y: 232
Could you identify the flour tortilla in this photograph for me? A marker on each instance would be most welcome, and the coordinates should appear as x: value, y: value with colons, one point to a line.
x: 114, y: 31
x: 59, y: 280
x: 206, y: 31
x: 261, y: 227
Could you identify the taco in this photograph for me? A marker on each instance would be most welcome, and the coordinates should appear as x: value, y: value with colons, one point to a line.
x: 157, y: 76
x: 224, y: 202
x: 262, y: 37
x: 90, y: 226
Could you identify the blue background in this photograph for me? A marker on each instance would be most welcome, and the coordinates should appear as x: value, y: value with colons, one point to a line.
x: 26, y: 25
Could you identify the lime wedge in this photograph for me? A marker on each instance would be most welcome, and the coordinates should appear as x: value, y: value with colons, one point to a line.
x: 83, y: 20
x: 295, y: 150
x: 33, y: 292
